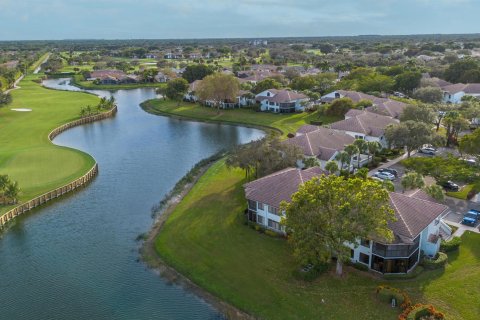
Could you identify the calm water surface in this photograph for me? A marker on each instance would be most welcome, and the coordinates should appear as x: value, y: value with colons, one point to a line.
x: 77, y: 258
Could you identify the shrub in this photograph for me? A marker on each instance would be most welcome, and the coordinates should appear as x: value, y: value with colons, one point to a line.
x: 358, y: 266
x: 387, y: 293
x: 273, y: 234
x: 420, y: 311
x: 404, y: 276
x: 452, y: 245
x: 311, y: 273
x: 439, y: 261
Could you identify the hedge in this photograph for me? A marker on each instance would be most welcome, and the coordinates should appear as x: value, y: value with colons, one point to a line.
x: 452, y: 245
x: 387, y: 293
x: 419, y: 311
x: 438, y: 262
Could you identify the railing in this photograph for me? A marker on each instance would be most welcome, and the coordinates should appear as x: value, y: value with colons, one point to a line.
x: 83, y: 180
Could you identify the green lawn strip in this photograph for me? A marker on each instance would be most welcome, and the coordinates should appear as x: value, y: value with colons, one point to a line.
x: 206, y: 240
x: 38, y: 62
x: 26, y: 153
x: 463, y: 193
x: 287, y: 123
x: 455, y: 290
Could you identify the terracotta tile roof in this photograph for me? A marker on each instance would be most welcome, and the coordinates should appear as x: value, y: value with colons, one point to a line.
x: 322, y: 143
x: 306, y: 128
x: 282, y: 96
x: 107, y: 73
x: 470, y: 88
x: 368, y: 123
x: 194, y: 85
x: 413, y: 215
x: 279, y: 186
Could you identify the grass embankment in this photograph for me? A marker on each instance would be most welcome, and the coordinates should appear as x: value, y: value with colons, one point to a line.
x: 287, y: 123
x: 463, y: 193
x: 26, y: 153
x: 206, y: 240
x: 89, y: 85
x: 39, y: 62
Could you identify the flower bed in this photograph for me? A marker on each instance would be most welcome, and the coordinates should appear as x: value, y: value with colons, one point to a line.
x: 387, y: 293
x: 421, y: 312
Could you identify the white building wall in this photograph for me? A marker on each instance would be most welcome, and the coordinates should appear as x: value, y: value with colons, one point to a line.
x: 430, y: 249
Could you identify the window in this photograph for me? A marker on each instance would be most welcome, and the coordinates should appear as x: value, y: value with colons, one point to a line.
x: 273, y: 210
x: 358, y: 137
x: 364, y: 258
x: 274, y: 224
x: 260, y: 219
x: 365, y: 243
x: 352, y: 253
x: 260, y: 206
x: 252, y: 205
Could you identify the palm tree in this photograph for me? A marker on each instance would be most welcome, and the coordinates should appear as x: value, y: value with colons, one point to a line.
x: 11, y: 192
x: 373, y: 147
x: 351, y: 150
x: 331, y: 167
x: 362, y: 147
x: 342, y: 157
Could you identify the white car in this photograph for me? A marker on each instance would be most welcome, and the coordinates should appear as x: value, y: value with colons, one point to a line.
x: 428, y: 150
x: 384, y: 176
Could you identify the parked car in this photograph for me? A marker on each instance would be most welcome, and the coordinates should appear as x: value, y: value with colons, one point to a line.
x: 384, y: 176
x: 389, y: 170
x: 450, y: 186
x: 471, y: 217
x: 428, y: 150
x: 471, y: 162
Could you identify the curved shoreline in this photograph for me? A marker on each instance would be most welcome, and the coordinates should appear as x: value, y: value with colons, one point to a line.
x: 154, y: 261
x: 67, y: 188
x: 271, y: 130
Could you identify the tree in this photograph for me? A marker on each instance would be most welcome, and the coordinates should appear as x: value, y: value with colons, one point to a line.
x: 457, y: 72
x: 266, y: 84
x: 311, y: 162
x: 429, y: 94
x: 176, y: 89
x: 376, y: 83
x: 362, y: 147
x: 343, y: 158
x: 407, y: 81
x: 218, y: 87
x: 409, y: 134
x: 454, y: 123
x: 162, y: 91
x: 362, y: 173
x: 435, y: 191
x: 196, y: 72
x: 5, y: 98
x: 262, y: 157
x: 412, y: 180
x: 418, y: 113
x: 332, y: 167
x: 351, y: 150
x: 373, y: 147
x: 328, y: 212
x: 470, y: 144
x: 303, y: 83
x: 11, y: 192
x: 339, y: 107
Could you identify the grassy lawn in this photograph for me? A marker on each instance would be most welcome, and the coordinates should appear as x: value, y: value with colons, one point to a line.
x: 462, y: 194
x: 26, y: 154
x: 287, y: 123
x: 206, y: 240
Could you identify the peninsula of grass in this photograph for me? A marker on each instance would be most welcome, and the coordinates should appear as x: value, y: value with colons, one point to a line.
x: 463, y: 193
x: 26, y: 153
x: 286, y: 123
x: 89, y: 85
x: 206, y: 240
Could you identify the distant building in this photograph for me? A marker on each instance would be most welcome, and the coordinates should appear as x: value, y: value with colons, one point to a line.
x: 281, y: 101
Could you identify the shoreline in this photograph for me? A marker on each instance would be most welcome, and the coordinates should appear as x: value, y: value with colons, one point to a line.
x: 69, y: 187
x: 154, y: 261
x: 269, y: 130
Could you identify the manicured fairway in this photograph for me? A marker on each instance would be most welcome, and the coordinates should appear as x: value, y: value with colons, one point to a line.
x: 287, y: 123
x: 26, y: 154
x: 206, y: 240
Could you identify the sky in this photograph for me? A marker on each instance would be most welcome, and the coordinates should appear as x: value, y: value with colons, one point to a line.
x: 180, y: 19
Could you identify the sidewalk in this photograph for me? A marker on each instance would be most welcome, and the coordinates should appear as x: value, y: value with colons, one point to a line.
x: 461, y: 229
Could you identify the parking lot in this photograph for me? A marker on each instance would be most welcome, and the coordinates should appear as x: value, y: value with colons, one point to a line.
x: 457, y: 207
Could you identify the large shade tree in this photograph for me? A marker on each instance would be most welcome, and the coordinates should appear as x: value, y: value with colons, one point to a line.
x: 176, y: 89
x: 328, y: 212
x: 218, y: 87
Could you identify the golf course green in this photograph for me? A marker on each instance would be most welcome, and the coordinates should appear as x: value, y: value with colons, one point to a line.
x: 26, y: 153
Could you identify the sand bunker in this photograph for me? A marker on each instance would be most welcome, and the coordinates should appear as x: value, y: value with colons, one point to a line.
x: 21, y: 110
